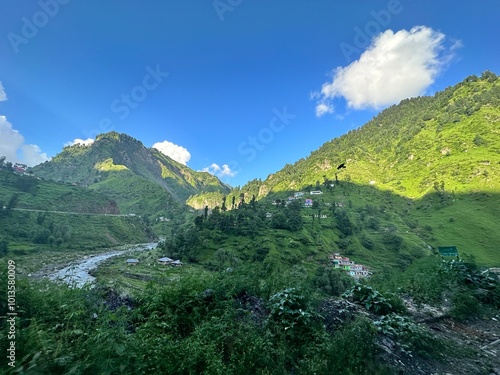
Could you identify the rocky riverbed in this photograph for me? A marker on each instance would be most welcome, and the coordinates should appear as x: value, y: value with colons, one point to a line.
x: 77, y: 273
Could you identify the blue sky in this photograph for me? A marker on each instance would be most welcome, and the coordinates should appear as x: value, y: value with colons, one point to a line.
x: 236, y: 87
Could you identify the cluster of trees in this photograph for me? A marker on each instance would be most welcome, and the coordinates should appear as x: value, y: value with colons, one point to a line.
x: 247, y: 219
x: 46, y: 232
x: 5, y: 165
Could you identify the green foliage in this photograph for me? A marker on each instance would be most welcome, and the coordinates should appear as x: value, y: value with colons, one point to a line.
x: 343, y: 223
x: 279, y: 221
x: 4, y: 247
x: 332, y: 281
x: 352, y: 350
x: 414, y: 337
x: 403, y: 152
x: 472, y: 288
x: 375, y: 301
x: 465, y: 306
x: 289, y: 308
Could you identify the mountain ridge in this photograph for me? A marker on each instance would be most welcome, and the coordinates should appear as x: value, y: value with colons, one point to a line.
x: 432, y: 132
x: 116, y: 164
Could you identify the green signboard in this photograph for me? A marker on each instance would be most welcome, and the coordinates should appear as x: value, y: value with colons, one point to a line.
x: 448, y: 251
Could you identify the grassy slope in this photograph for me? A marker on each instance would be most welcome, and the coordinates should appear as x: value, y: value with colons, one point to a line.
x: 48, y: 195
x: 450, y: 141
x: 78, y: 231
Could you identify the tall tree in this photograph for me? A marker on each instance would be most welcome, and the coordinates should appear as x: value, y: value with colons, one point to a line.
x: 12, y: 201
x: 253, y: 202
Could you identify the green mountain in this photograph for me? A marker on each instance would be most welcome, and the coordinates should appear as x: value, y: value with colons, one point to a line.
x: 39, y: 214
x: 141, y: 180
x: 429, y: 167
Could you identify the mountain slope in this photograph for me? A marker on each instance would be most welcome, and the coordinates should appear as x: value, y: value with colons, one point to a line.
x: 141, y: 180
x: 452, y: 137
x: 433, y: 162
x: 41, y: 213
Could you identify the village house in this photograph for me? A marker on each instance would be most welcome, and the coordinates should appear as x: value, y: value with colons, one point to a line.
x: 308, y: 203
x: 298, y: 194
x: 170, y: 262
x: 269, y: 215
x: 20, y: 168
x: 355, y: 270
x: 132, y: 262
x: 165, y: 260
x: 316, y: 192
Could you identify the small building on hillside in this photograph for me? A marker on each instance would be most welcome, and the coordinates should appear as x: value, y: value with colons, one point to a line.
x: 177, y: 263
x: 269, y: 215
x: 20, y: 168
x: 298, y: 194
x: 309, y: 202
x: 132, y: 262
x: 165, y: 260
x: 355, y: 270
x: 316, y: 192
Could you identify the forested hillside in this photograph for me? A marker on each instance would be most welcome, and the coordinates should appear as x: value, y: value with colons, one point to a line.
x: 432, y: 162
x: 141, y: 180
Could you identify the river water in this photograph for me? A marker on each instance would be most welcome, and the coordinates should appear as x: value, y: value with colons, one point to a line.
x: 77, y: 273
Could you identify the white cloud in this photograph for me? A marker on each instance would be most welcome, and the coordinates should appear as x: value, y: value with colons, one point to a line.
x: 395, y: 66
x: 3, y: 95
x: 33, y: 155
x: 323, y: 108
x: 178, y: 153
x: 12, y: 144
x: 78, y: 141
x: 219, y: 171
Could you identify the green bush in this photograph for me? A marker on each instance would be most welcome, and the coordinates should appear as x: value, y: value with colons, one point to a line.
x: 352, y: 350
x: 465, y: 306
x: 375, y: 301
x: 332, y: 281
x: 413, y: 336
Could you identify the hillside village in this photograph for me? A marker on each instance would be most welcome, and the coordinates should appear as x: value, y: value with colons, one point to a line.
x: 355, y: 270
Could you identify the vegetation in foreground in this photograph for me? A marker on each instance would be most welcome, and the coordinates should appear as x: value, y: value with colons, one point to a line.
x: 247, y: 321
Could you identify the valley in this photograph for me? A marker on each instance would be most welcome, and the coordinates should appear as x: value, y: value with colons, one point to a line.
x: 258, y: 291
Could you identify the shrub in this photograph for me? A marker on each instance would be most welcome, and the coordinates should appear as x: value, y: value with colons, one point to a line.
x: 367, y: 242
x: 352, y: 349
x: 465, y: 306
x: 414, y: 337
x: 375, y: 301
x: 332, y: 281
x: 288, y: 308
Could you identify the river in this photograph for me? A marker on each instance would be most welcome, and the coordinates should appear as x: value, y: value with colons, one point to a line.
x: 77, y: 273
